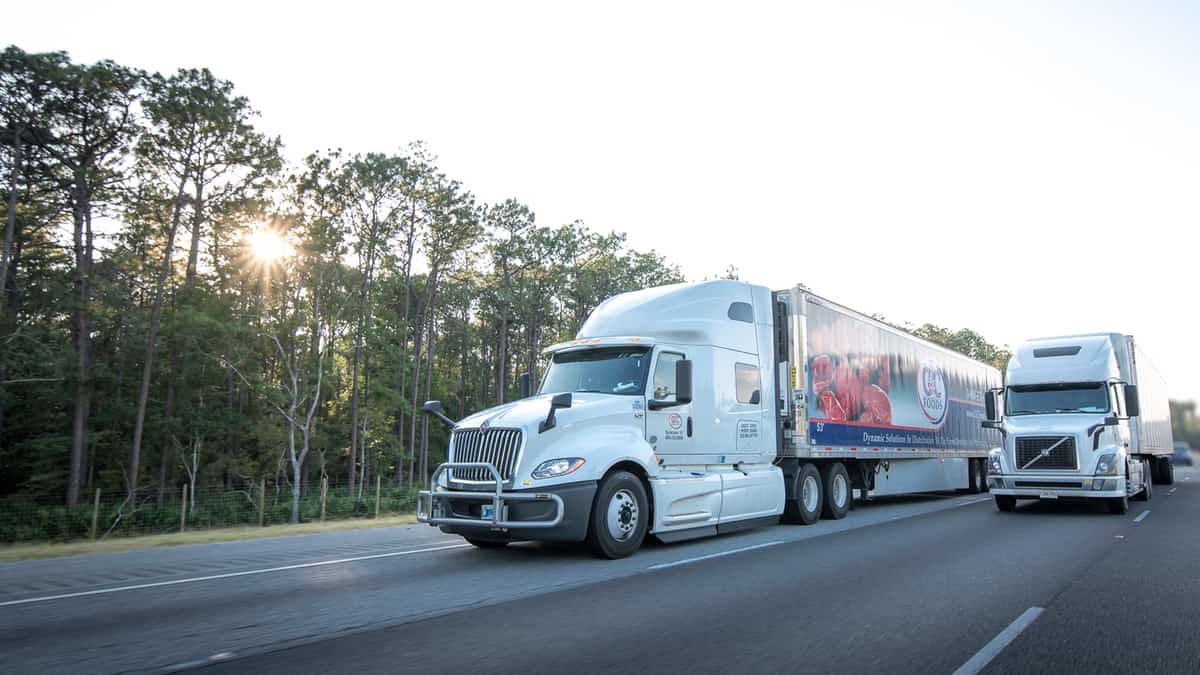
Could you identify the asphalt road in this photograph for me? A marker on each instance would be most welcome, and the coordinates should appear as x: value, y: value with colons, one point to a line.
x: 921, y: 584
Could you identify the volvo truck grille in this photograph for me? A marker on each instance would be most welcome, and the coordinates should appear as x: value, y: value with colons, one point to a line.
x: 1046, y: 452
x: 497, y: 446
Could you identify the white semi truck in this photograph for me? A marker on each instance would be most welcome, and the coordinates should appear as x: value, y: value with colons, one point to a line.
x: 1081, y: 416
x: 687, y: 410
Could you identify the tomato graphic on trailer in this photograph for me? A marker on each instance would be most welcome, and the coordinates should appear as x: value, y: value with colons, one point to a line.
x: 869, y: 385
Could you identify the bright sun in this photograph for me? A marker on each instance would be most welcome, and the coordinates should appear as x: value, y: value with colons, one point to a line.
x: 267, y: 245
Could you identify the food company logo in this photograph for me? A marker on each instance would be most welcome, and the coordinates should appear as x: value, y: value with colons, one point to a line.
x: 931, y: 392
x: 674, y: 421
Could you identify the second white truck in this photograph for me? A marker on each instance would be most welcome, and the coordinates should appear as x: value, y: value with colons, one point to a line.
x: 1083, y: 416
x: 688, y: 410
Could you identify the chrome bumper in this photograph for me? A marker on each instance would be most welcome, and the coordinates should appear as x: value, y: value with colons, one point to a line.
x: 433, y: 509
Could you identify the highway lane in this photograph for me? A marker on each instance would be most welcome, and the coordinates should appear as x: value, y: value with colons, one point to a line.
x: 149, y: 610
x: 919, y: 595
x: 914, y: 585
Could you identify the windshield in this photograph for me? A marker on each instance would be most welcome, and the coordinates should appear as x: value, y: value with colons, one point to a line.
x: 1090, y: 397
x: 604, y: 370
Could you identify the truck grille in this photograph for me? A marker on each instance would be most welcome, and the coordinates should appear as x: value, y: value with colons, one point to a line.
x: 1030, y: 449
x: 497, y: 446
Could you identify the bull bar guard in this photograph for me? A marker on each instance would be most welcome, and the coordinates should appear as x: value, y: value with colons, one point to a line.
x: 428, y: 499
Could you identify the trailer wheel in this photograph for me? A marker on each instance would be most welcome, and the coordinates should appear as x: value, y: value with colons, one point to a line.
x: 1166, y: 471
x: 1006, y: 503
x: 976, y: 480
x: 835, y: 485
x: 486, y: 543
x: 805, y: 507
x: 620, y: 516
x: 1118, y: 505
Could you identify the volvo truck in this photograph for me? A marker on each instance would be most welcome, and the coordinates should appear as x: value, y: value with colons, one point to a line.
x: 689, y: 410
x: 1081, y: 416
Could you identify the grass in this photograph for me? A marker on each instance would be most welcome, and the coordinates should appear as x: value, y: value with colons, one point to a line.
x: 13, y: 552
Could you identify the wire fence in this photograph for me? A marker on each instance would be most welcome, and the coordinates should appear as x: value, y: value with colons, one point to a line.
x: 45, y: 518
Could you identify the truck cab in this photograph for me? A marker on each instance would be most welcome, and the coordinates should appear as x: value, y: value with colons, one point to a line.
x: 657, y: 418
x: 1069, y: 416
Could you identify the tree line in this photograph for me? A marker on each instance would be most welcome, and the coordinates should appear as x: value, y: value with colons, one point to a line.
x: 180, y: 304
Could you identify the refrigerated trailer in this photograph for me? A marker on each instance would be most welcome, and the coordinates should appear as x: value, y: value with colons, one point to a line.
x: 688, y: 410
x: 1083, y: 416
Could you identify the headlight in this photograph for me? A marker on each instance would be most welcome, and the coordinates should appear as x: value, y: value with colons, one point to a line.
x: 557, y: 467
x: 994, y: 462
x: 1107, y: 466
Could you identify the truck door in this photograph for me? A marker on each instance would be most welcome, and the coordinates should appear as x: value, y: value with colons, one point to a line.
x: 669, y: 430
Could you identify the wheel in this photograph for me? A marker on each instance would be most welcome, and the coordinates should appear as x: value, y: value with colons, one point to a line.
x: 1006, y: 502
x: 620, y: 516
x: 485, y: 543
x: 835, y: 484
x: 1166, y: 471
x: 977, y: 478
x: 805, y: 507
x: 1147, y: 490
x: 1118, y: 505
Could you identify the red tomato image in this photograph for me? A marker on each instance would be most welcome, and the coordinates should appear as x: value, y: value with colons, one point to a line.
x: 885, y: 375
x: 876, y: 406
x: 822, y: 373
x: 831, y: 407
x: 849, y: 390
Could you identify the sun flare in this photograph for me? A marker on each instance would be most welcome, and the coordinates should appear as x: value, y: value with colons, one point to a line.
x: 267, y: 245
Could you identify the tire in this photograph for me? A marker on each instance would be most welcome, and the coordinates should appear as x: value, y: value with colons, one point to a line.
x: 1147, y: 490
x: 1006, y: 503
x: 620, y: 516
x: 1167, y: 471
x: 1118, y: 505
x: 976, y: 479
x: 485, y: 543
x: 805, y: 508
x: 835, y: 486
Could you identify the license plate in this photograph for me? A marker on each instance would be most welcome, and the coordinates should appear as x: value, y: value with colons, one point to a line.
x: 1047, y: 494
x: 486, y: 511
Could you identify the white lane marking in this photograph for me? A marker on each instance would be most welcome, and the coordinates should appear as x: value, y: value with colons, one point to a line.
x: 1142, y: 516
x: 992, y: 649
x: 228, y: 575
x: 975, y: 501
x: 685, y: 561
x: 1172, y: 491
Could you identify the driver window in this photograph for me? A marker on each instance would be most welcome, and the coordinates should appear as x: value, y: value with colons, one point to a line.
x: 664, y: 376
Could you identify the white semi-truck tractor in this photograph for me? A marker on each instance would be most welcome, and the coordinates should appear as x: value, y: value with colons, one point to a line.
x: 1082, y: 416
x: 689, y: 410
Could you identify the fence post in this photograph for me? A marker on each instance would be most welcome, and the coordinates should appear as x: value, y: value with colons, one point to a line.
x: 324, y: 491
x: 183, y: 504
x: 377, y: 495
x: 262, y: 499
x: 95, y: 513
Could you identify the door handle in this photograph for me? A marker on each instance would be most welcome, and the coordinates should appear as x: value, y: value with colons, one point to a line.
x: 689, y: 426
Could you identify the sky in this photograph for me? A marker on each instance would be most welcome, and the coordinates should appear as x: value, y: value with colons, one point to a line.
x: 1018, y: 168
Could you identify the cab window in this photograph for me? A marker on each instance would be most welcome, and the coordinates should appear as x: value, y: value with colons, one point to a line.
x: 747, y: 384
x: 663, y: 388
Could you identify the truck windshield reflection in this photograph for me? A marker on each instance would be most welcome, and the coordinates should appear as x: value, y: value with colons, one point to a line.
x: 1090, y: 397
x: 602, y: 370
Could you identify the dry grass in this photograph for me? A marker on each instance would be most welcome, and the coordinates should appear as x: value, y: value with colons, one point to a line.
x: 11, y: 552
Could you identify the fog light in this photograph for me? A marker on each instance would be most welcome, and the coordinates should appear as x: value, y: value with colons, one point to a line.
x: 1110, y: 484
x: 1098, y: 484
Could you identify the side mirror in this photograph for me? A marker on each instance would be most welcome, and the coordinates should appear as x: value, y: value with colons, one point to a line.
x: 683, y: 381
x: 435, y: 408
x: 989, y: 404
x: 754, y: 398
x: 523, y: 386
x: 559, y: 401
x: 1132, y: 407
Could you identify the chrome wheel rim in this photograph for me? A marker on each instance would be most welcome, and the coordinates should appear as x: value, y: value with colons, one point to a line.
x: 622, y: 515
x: 809, y: 490
x: 839, y: 490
